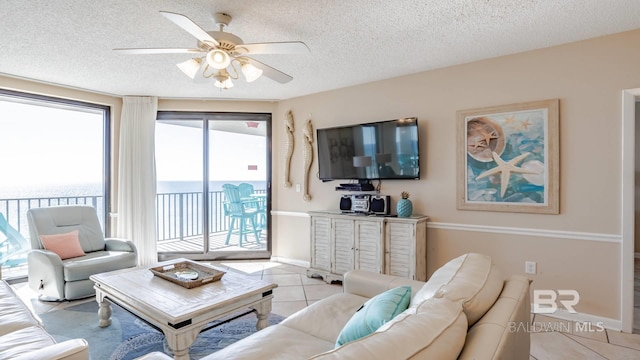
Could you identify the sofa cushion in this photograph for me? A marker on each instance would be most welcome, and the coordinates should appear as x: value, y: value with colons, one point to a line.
x: 325, y: 319
x: 374, y: 313
x: 66, y: 245
x: 23, y: 341
x: 273, y: 342
x: 504, y: 329
x: 14, y: 314
x: 434, y: 330
x: 471, y: 279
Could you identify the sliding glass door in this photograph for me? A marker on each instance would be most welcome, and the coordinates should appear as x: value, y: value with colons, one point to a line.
x: 213, y: 174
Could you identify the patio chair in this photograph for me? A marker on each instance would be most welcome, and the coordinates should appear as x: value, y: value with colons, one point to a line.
x: 256, y: 201
x: 246, y: 190
x: 239, y: 211
x: 14, y: 248
x: 75, y: 249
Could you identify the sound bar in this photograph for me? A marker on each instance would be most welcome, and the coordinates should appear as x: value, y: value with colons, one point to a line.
x: 356, y: 187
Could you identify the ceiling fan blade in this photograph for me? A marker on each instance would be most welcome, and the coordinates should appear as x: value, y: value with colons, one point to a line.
x: 287, y: 47
x: 159, y: 51
x: 189, y: 26
x: 269, y: 72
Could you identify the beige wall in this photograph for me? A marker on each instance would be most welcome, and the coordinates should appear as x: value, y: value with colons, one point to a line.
x: 577, y: 249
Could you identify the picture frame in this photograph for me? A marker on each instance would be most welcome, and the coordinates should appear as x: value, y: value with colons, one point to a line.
x: 508, y: 158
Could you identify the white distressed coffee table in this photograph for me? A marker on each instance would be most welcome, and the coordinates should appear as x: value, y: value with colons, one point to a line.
x: 179, y: 312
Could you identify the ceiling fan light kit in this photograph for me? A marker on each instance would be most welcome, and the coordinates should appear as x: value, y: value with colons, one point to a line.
x: 223, y: 79
x: 190, y: 67
x: 218, y: 59
x: 226, y: 84
x: 251, y: 73
x: 219, y: 50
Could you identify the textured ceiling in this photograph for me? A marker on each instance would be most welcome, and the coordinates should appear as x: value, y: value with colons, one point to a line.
x: 352, y: 42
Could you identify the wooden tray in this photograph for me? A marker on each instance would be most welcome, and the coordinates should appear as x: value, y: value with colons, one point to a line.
x: 206, y: 274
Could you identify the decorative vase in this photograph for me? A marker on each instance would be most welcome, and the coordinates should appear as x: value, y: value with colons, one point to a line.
x: 404, y: 208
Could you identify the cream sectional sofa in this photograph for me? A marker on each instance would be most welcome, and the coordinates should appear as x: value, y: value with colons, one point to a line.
x: 23, y: 337
x: 466, y: 310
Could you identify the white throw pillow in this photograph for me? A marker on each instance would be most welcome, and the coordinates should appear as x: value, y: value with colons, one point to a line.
x: 435, y: 330
x: 470, y: 279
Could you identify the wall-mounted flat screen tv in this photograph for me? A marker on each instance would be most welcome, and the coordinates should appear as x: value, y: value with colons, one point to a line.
x: 379, y: 150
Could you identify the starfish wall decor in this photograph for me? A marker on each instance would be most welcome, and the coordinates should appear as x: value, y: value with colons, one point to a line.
x: 505, y: 168
x: 508, y: 158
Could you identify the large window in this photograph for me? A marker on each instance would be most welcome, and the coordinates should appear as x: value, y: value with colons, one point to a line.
x: 202, y: 161
x: 52, y: 152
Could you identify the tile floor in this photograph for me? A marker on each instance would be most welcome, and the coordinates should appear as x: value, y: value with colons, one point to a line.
x: 550, y: 338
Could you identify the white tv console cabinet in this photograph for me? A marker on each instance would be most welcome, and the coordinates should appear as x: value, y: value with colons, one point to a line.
x: 387, y: 245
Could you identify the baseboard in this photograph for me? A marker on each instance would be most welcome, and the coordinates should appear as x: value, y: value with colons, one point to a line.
x: 284, y: 260
x: 289, y: 213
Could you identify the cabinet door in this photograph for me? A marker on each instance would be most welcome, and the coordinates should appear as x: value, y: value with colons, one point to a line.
x: 401, y: 256
x: 369, y: 246
x: 344, y: 247
x: 321, y: 243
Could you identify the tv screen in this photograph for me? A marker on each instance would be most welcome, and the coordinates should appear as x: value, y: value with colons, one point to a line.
x: 379, y: 150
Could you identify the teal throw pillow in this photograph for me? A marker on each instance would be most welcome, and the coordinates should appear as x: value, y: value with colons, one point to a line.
x: 374, y: 313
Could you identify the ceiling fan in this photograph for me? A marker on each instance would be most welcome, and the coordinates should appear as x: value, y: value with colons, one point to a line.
x: 219, y: 52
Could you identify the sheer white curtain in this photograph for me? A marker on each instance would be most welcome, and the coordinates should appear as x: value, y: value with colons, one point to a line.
x: 137, y: 176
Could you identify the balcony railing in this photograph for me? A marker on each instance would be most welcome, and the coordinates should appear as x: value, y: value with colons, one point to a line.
x: 15, y: 210
x: 178, y: 215
x: 179, y: 222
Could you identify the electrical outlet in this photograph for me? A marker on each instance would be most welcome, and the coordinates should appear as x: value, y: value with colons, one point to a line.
x: 530, y: 267
x: 297, y: 187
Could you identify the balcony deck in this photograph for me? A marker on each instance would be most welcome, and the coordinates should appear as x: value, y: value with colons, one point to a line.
x: 216, y: 243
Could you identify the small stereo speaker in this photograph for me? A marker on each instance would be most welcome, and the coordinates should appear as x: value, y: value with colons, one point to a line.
x: 345, y: 203
x: 380, y: 205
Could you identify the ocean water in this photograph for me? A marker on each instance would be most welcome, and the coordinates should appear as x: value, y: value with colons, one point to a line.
x: 16, y: 200
x: 94, y: 189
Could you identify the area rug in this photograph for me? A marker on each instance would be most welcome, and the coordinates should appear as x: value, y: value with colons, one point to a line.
x: 129, y: 337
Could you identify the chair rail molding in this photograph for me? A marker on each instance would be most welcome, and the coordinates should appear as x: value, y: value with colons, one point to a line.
x: 560, y: 234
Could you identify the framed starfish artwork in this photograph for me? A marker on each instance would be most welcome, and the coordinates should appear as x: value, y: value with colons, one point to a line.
x: 508, y: 158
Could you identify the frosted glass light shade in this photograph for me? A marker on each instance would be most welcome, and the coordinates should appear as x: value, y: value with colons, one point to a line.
x: 251, y: 73
x: 218, y: 59
x: 224, y: 84
x: 190, y: 67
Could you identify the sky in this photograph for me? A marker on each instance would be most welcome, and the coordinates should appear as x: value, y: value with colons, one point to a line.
x: 42, y: 145
x: 179, y: 154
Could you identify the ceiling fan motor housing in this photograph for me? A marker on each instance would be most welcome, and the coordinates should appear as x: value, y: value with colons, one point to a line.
x: 226, y: 41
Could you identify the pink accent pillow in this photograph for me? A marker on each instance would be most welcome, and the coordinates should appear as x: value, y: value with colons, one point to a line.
x: 65, y: 245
